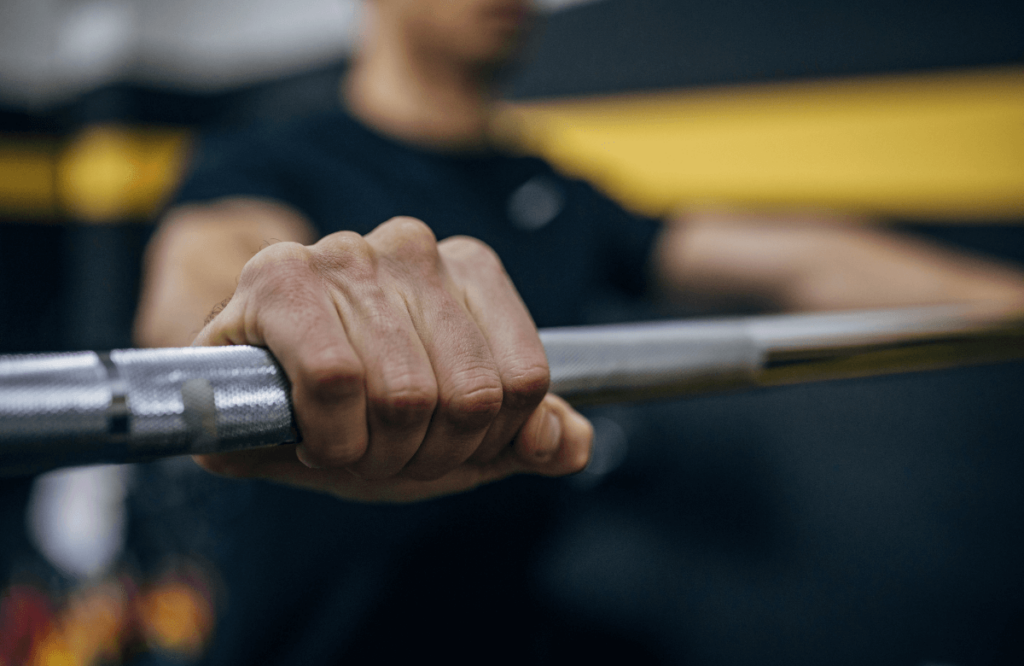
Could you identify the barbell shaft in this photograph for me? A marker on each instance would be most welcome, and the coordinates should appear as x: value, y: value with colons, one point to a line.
x: 133, y: 405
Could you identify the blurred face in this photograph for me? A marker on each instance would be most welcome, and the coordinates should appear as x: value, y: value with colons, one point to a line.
x: 476, y: 32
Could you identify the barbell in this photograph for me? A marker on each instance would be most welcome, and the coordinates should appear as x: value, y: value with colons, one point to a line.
x: 133, y: 405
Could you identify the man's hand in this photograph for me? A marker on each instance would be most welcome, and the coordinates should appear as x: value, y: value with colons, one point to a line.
x: 416, y: 369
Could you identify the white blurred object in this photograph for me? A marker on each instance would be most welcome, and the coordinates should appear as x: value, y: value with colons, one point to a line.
x: 78, y: 520
x: 52, y: 50
x: 217, y: 43
x: 535, y: 203
x: 94, y: 39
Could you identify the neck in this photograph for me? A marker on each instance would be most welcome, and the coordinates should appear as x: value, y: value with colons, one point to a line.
x: 432, y: 102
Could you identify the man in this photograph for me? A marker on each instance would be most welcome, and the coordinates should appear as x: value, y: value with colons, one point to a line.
x: 415, y: 365
x: 415, y: 362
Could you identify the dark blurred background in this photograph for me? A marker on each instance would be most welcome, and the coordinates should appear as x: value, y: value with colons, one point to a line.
x: 867, y: 521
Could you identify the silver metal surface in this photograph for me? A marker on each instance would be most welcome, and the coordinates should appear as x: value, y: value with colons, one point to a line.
x: 201, y: 399
x: 635, y: 361
x: 52, y: 396
x: 131, y: 405
x: 791, y: 332
x: 138, y: 404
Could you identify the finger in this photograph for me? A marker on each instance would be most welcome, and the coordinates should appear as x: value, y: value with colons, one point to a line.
x: 555, y: 440
x: 469, y: 393
x: 469, y: 390
x: 571, y: 454
x: 401, y: 395
x: 279, y: 464
x: 401, y: 391
x: 281, y: 304
x: 509, y: 331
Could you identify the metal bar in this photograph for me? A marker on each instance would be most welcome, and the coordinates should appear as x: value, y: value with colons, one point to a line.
x: 134, y: 405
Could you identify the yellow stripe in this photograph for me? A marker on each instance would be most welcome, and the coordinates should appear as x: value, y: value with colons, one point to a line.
x: 113, y: 173
x: 27, y: 177
x: 102, y: 174
x: 936, y: 146
x: 943, y: 146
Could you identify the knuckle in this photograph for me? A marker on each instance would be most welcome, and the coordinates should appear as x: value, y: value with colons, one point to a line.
x: 410, y: 228
x: 524, y: 388
x: 405, y: 405
x: 476, y: 405
x: 274, y: 263
x: 410, y: 242
x: 344, y: 251
x: 329, y: 376
x: 279, y: 274
x: 471, y: 250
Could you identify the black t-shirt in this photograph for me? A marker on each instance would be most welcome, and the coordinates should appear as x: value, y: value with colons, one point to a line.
x: 561, y: 241
x: 313, y: 580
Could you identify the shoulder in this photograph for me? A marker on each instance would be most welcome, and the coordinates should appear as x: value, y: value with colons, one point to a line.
x: 264, y: 141
x: 262, y: 159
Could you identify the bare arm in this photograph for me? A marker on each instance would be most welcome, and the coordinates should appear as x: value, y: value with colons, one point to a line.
x: 194, y: 260
x: 820, y: 263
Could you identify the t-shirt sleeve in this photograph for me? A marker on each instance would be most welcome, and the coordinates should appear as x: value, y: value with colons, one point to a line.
x: 626, y: 241
x: 232, y: 165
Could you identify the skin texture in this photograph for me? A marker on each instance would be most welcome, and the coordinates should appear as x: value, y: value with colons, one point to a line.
x: 815, y: 262
x: 409, y: 356
x: 424, y: 72
x: 416, y: 369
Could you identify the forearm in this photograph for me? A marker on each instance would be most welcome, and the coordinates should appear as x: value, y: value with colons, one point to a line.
x: 822, y: 264
x: 195, y: 258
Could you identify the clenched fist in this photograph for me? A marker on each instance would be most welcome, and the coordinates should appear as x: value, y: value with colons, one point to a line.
x: 416, y: 369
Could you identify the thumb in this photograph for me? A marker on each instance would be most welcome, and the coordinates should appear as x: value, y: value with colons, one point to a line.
x: 555, y: 440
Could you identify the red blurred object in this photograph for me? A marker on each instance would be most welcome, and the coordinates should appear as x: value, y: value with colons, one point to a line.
x: 108, y: 622
x: 26, y: 616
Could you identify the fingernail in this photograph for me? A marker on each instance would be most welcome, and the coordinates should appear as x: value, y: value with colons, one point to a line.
x: 550, y: 435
